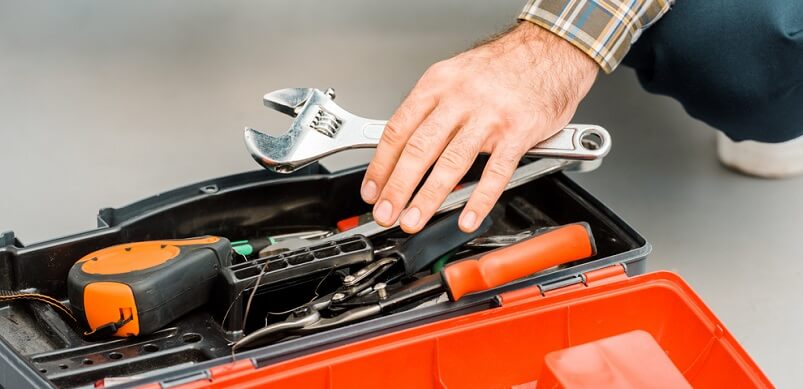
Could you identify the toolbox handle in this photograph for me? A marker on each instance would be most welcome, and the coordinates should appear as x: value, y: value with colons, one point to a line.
x: 498, y: 267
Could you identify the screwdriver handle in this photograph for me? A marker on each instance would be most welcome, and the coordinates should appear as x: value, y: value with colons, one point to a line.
x: 498, y: 267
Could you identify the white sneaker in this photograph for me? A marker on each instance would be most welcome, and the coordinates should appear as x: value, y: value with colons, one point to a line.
x: 765, y: 160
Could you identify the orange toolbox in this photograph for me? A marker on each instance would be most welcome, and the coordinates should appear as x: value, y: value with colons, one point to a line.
x: 510, y: 346
x: 602, y: 321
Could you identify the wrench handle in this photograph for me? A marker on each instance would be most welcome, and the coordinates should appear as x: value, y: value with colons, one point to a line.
x: 584, y: 142
x: 498, y: 267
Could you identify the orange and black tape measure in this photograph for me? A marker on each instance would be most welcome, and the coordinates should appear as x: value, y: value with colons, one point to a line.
x: 137, y: 288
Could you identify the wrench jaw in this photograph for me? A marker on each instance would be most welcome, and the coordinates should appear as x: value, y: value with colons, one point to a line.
x: 286, y: 153
x: 291, y: 101
x: 320, y: 128
x: 270, y: 151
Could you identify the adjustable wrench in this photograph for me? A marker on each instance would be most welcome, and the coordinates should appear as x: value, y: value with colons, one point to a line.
x: 321, y: 128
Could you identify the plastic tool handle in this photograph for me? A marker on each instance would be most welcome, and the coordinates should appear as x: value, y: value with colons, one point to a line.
x: 420, y: 250
x: 554, y: 247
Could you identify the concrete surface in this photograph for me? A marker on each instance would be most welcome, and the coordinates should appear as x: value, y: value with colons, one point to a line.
x: 105, y: 103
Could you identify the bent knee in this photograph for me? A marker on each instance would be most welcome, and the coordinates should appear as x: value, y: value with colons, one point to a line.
x: 738, y: 69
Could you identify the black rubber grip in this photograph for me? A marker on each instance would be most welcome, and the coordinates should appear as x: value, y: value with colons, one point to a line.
x: 422, y: 249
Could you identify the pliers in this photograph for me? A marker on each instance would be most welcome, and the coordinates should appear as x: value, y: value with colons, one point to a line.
x: 366, y: 294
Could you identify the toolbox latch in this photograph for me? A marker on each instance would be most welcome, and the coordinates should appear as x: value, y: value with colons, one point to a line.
x: 7, y: 238
x: 593, y: 278
x: 606, y: 274
x: 540, y: 290
x: 596, y: 277
x: 574, y: 279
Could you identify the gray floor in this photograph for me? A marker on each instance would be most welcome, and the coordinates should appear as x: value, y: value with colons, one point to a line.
x: 102, y: 104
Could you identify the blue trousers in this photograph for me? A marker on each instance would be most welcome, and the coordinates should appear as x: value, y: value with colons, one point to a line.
x: 734, y: 64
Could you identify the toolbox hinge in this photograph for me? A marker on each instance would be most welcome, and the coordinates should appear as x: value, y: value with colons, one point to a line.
x: 236, y: 367
x: 7, y: 238
x: 185, y: 379
x: 209, y: 375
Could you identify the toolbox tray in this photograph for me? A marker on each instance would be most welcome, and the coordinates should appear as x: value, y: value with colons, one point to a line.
x: 38, y: 349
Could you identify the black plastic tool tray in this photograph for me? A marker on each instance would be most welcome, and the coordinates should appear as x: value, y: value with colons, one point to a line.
x: 37, y: 349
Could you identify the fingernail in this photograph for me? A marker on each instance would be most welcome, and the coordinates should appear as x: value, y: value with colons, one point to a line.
x: 368, y: 191
x: 468, y: 220
x: 383, y: 211
x: 411, y: 217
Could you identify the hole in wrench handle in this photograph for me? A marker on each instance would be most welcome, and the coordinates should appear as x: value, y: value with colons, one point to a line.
x: 575, y: 141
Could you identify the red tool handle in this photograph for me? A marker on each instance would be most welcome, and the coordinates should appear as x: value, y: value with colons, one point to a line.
x: 563, y: 244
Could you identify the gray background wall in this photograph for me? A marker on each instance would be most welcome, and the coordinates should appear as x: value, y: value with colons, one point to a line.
x: 104, y: 103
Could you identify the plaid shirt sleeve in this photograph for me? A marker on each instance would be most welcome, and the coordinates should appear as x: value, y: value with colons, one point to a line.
x: 603, y: 29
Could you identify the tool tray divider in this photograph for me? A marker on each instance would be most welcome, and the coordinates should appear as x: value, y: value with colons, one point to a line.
x: 281, y: 281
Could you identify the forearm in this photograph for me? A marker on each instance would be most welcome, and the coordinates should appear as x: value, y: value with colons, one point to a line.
x: 603, y: 29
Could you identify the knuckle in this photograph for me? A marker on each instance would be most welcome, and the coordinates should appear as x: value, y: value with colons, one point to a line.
x: 483, y: 200
x: 454, y: 158
x: 494, y: 122
x: 417, y: 146
x: 376, y: 170
x: 520, y: 120
x: 435, y: 121
x: 434, y: 187
x: 429, y: 193
x: 500, y: 169
x: 435, y: 69
x: 438, y: 71
x: 426, y: 93
x: 471, y: 145
x: 394, y: 189
x: 404, y: 113
x: 393, y: 134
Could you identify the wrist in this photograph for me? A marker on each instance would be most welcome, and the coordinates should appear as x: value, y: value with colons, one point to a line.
x: 545, y: 45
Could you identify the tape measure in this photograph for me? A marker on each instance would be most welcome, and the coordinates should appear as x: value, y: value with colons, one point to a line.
x: 137, y: 288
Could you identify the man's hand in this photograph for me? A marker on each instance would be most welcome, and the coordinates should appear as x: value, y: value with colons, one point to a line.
x: 502, y: 98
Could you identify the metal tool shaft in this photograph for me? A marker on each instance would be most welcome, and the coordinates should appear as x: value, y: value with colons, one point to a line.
x: 522, y: 175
